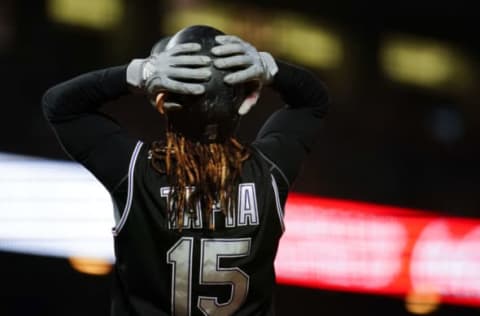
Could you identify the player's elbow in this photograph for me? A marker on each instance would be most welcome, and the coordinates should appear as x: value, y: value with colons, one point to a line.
x: 320, y: 99
x: 51, y: 101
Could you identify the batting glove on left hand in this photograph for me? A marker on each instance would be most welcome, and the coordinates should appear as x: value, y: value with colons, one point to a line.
x: 169, y: 70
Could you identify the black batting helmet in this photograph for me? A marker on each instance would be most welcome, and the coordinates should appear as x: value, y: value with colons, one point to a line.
x: 212, y: 116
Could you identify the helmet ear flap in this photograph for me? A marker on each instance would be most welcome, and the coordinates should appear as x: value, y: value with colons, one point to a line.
x: 160, y: 45
x: 253, y: 90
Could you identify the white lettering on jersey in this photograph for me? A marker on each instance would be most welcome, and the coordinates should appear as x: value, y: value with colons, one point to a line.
x: 189, y: 221
x: 246, y: 214
x: 247, y: 205
x: 230, y: 219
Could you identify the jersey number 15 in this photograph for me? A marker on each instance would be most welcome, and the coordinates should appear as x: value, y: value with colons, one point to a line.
x: 180, y: 256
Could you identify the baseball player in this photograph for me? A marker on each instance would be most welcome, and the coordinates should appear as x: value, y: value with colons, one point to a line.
x: 199, y: 214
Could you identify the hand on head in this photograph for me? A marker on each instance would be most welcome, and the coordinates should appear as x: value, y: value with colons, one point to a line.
x: 248, y: 64
x: 171, y: 70
x: 178, y: 69
x: 233, y: 52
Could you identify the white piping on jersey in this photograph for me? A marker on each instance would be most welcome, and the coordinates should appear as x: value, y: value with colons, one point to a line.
x: 277, y: 201
x: 274, y: 166
x: 131, y: 168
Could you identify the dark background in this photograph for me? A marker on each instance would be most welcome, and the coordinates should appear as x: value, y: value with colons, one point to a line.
x: 379, y: 143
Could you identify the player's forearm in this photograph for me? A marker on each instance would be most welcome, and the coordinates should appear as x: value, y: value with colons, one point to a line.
x: 88, y: 136
x: 300, y: 88
x: 84, y: 93
x: 294, y: 128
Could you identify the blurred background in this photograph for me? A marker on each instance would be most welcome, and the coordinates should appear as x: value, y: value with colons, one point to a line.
x: 403, y: 129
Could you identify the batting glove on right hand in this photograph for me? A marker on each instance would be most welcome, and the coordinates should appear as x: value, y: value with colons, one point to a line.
x: 233, y: 52
x: 165, y: 71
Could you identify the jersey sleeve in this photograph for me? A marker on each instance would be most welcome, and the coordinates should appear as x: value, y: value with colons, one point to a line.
x: 289, y: 133
x: 87, y: 135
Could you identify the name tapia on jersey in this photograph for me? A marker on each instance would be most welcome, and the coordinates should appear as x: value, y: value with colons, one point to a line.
x: 245, y: 213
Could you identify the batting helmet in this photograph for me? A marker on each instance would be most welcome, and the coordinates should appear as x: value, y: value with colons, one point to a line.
x: 212, y: 116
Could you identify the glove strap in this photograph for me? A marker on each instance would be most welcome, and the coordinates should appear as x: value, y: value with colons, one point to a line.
x: 270, y: 65
x: 135, y: 73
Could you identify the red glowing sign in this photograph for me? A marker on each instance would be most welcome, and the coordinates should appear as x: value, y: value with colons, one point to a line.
x: 360, y: 247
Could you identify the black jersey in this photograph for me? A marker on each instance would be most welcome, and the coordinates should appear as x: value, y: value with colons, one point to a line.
x: 160, y: 270
x: 197, y: 271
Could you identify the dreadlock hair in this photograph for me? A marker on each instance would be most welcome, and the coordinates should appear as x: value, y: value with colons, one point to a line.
x: 212, y: 169
x: 200, y: 155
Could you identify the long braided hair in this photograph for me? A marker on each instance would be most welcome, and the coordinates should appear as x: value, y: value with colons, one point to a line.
x: 212, y: 169
x: 200, y: 156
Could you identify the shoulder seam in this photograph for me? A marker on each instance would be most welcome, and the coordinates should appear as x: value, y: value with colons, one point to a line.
x: 280, y: 211
x: 124, y: 178
x: 273, y: 165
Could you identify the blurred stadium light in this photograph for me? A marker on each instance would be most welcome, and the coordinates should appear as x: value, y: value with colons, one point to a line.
x: 53, y: 208
x: 91, y: 265
x: 316, y: 45
x: 95, y: 14
x: 58, y: 209
x: 369, y: 248
x: 422, y: 301
x: 424, y: 62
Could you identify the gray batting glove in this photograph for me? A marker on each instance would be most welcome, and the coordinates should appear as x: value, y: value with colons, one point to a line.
x: 164, y: 72
x: 234, y: 52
